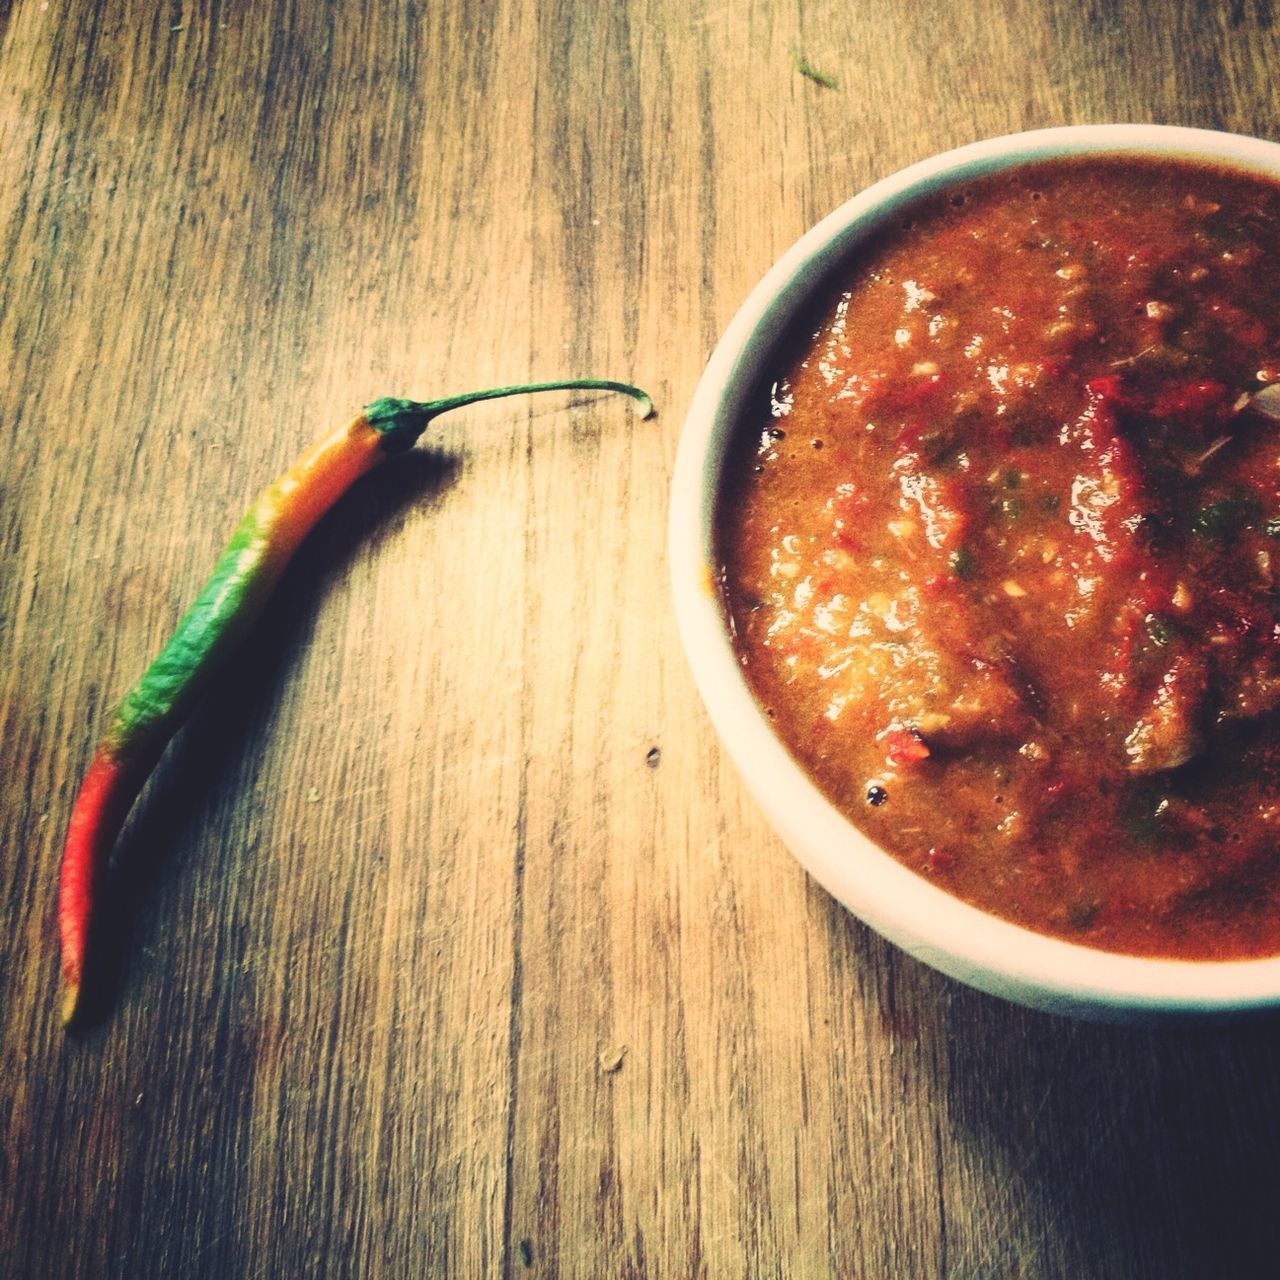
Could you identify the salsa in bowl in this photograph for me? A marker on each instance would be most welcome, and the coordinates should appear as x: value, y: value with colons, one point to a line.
x: 976, y: 549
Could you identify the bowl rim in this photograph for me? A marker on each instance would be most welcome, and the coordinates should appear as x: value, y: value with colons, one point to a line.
x: 983, y: 950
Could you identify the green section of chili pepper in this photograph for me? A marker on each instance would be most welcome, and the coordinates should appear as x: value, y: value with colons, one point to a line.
x: 221, y: 616
x: 231, y: 599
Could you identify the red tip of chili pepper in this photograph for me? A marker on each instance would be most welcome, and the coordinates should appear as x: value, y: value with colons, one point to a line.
x: 95, y: 820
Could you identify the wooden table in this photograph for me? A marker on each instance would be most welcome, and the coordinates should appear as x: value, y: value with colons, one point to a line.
x: 448, y: 942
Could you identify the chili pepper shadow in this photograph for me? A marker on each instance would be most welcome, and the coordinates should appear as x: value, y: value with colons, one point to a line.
x: 200, y: 763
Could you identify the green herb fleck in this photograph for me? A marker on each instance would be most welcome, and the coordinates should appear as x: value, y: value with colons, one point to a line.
x: 1142, y: 815
x: 1080, y: 915
x: 1273, y: 528
x: 1050, y: 502
x: 938, y: 448
x: 962, y: 564
x: 1012, y: 479
x: 1225, y: 515
x: 1158, y: 629
x: 809, y: 71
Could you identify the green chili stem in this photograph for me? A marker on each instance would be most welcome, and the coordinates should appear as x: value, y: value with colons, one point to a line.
x: 403, y: 421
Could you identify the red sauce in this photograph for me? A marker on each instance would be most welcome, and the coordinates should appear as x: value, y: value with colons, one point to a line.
x: 1001, y: 551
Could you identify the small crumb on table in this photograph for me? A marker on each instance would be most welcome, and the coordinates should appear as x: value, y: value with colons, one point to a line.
x: 611, y: 1059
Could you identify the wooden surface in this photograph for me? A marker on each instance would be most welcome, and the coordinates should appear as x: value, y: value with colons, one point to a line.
x: 448, y: 943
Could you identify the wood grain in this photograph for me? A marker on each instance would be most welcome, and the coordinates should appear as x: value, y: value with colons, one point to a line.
x: 447, y: 941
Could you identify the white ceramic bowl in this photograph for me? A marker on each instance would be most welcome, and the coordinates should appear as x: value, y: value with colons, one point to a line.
x: 939, y: 929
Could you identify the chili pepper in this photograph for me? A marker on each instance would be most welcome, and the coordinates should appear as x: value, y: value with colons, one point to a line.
x: 223, y: 613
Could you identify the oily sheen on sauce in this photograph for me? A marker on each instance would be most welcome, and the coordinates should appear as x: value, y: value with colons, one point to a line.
x: 1001, y: 551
